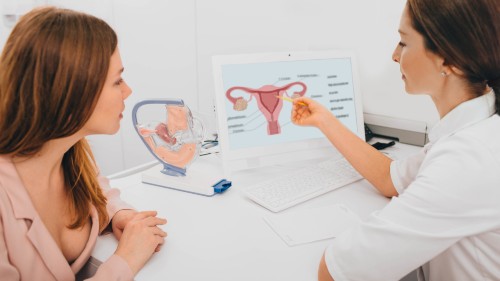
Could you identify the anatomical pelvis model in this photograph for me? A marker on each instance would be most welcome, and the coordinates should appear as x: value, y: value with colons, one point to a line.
x: 176, y: 141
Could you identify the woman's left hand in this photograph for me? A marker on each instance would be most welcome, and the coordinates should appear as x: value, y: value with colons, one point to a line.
x: 120, y: 219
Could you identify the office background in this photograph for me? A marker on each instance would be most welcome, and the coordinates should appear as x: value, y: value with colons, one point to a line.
x: 166, y: 48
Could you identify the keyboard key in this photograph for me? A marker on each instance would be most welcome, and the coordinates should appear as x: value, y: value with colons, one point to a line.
x: 303, y: 184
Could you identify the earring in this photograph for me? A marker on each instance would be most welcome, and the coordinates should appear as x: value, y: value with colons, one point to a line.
x: 444, y: 74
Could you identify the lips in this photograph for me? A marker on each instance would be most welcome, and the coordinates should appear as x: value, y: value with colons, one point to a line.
x: 121, y: 113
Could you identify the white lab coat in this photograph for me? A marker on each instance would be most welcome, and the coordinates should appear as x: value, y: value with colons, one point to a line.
x: 447, y: 214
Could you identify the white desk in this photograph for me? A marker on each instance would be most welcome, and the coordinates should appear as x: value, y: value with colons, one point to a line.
x: 224, y: 237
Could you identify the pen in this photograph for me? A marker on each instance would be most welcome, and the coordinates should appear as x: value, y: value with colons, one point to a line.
x: 290, y: 100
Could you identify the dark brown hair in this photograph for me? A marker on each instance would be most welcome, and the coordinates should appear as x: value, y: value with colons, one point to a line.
x: 52, y: 70
x: 466, y: 33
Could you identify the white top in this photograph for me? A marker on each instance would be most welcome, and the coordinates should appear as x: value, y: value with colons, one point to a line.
x: 447, y: 216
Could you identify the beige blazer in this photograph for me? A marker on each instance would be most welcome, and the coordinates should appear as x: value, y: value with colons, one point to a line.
x: 27, y: 250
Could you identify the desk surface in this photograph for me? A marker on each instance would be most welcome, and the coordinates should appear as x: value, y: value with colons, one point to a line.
x: 225, y: 237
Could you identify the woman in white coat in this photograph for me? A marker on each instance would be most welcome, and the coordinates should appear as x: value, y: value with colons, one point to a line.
x: 444, y: 216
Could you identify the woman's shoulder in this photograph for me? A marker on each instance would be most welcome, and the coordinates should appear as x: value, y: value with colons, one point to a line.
x: 474, y: 144
x: 10, y: 183
x: 5, y: 162
x: 485, y: 134
x: 490, y: 126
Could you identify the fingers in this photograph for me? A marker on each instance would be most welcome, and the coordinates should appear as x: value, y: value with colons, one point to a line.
x: 140, y: 238
x: 149, y: 218
x: 301, y: 105
x: 152, y: 224
x: 300, y: 114
x: 302, y: 101
x: 154, y: 221
x: 160, y: 244
x: 144, y: 214
x: 158, y: 231
x: 160, y: 238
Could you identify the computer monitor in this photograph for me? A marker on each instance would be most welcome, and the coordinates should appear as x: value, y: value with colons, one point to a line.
x: 254, y: 126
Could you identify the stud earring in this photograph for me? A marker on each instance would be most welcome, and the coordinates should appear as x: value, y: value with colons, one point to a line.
x: 443, y: 73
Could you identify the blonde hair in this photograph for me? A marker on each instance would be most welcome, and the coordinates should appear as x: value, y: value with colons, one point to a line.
x: 52, y: 70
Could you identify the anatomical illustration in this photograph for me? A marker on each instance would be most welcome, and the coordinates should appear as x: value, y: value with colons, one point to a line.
x: 267, y: 101
x: 175, y: 142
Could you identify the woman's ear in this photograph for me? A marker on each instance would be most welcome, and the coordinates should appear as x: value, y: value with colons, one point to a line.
x: 455, y: 70
x: 448, y: 68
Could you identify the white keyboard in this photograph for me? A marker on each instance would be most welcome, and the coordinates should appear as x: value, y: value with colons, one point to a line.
x: 302, y: 184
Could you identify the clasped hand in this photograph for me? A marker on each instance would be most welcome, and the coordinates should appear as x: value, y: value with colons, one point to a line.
x: 139, y: 236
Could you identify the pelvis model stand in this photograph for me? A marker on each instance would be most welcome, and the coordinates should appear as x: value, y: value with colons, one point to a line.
x: 268, y: 104
x: 176, y: 141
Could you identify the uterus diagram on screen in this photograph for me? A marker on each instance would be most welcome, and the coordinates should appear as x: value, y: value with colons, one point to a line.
x: 268, y: 103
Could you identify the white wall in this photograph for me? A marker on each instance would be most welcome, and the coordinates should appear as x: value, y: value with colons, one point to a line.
x: 166, y: 47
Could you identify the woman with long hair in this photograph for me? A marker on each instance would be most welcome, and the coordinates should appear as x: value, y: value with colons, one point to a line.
x: 60, y: 81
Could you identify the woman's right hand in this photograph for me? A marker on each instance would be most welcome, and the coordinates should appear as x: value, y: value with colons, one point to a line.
x: 140, y: 239
x: 307, y: 112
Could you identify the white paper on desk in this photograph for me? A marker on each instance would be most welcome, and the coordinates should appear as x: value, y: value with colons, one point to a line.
x: 311, y: 225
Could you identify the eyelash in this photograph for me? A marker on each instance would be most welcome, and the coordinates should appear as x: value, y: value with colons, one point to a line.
x: 117, y: 83
x: 401, y: 44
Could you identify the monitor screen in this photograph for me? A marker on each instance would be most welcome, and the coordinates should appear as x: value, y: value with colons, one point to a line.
x: 253, y: 113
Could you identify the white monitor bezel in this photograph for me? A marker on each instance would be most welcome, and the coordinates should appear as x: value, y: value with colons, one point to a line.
x: 254, y: 157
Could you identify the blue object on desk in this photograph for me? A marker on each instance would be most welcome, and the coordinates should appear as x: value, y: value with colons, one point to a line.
x: 198, y: 181
x: 222, y: 186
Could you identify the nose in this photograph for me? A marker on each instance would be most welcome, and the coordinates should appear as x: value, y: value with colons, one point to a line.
x: 396, y: 54
x: 126, y: 91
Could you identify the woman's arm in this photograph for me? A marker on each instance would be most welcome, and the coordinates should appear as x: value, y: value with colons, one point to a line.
x: 114, y: 202
x: 114, y: 268
x: 138, y: 233
x: 323, y: 273
x: 369, y: 162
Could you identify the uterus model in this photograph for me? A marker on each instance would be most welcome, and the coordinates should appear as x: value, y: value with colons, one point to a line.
x: 175, y: 142
x: 267, y: 101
